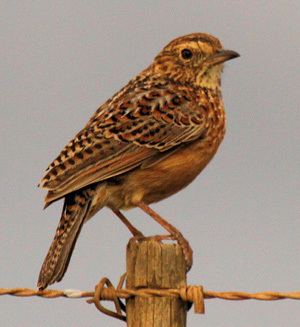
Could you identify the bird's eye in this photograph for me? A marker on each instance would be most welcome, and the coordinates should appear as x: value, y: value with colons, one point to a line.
x: 186, y: 54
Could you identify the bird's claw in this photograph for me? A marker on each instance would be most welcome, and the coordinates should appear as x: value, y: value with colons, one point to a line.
x: 186, y: 249
x: 183, y: 243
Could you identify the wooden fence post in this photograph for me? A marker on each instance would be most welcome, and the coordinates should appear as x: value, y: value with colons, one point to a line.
x: 152, y: 264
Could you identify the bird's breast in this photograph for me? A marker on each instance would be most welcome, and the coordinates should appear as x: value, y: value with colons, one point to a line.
x: 174, y: 172
x: 164, y: 178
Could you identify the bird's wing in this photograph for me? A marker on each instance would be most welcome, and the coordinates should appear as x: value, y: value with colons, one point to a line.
x: 123, y: 133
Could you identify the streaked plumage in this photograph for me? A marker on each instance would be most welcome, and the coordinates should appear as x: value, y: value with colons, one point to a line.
x: 147, y: 142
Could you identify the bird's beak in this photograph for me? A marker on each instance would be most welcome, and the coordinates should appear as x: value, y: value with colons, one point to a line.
x: 221, y: 56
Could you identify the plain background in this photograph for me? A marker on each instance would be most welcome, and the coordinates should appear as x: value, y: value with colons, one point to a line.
x: 61, y: 59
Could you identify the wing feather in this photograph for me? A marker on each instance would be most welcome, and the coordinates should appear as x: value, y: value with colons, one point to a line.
x: 149, y: 119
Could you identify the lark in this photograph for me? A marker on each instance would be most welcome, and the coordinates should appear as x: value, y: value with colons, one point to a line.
x: 147, y: 142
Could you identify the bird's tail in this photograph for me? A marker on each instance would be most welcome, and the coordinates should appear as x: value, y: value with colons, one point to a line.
x: 75, y: 211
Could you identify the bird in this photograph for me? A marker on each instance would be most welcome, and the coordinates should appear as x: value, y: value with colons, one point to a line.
x: 147, y: 142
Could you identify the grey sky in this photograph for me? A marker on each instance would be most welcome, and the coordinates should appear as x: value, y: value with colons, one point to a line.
x: 61, y: 60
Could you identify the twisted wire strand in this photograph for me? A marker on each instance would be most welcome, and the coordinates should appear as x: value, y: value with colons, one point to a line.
x: 126, y: 293
x: 108, y: 295
x: 105, y: 290
x: 48, y: 294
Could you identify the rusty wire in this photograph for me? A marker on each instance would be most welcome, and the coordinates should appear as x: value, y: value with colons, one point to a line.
x: 104, y: 290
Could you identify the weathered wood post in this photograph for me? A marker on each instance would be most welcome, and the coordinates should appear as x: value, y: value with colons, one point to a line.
x: 153, y: 264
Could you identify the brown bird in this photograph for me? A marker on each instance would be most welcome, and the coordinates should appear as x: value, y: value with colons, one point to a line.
x: 147, y: 142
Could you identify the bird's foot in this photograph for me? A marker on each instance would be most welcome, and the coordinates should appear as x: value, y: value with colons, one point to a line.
x: 174, y: 232
x: 182, y: 242
x: 186, y: 249
x: 160, y: 238
x: 138, y: 234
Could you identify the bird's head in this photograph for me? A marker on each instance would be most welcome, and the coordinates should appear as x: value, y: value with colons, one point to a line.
x: 195, y: 58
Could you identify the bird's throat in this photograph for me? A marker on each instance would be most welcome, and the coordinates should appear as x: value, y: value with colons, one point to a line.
x: 211, y: 78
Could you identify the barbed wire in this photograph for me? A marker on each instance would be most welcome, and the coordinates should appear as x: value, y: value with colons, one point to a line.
x: 105, y: 290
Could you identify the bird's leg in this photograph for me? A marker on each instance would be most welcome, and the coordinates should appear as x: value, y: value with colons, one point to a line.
x: 135, y: 232
x: 175, y: 233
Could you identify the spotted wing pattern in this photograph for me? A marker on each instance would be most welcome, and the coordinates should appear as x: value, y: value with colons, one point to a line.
x: 148, y: 118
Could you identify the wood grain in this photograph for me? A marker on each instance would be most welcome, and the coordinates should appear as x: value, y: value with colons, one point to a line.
x: 152, y: 264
